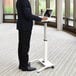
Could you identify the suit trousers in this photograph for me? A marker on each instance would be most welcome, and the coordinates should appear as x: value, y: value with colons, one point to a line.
x: 23, y: 47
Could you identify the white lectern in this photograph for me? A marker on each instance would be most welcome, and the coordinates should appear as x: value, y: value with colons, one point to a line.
x: 44, y: 61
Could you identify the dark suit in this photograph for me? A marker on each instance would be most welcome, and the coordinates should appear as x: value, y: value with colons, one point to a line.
x: 24, y: 25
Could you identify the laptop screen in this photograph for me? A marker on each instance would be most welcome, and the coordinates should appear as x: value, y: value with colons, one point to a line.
x: 48, y: 13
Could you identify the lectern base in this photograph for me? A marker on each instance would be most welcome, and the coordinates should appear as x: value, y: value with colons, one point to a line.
x: 46, y: 64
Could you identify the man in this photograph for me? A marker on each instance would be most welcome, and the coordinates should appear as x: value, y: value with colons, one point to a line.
x: 24, y: 26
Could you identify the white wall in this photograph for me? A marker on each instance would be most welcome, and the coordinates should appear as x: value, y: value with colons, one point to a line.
x: 1, y: 11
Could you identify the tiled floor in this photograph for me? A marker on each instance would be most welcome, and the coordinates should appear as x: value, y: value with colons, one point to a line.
x: 61, y: 51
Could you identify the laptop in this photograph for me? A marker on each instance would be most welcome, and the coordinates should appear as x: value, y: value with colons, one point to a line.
x: 48, y: 12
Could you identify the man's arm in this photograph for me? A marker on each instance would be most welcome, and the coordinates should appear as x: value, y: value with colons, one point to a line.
x: 28, y: 13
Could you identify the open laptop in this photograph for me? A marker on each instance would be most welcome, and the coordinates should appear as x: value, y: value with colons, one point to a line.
x: 48, y: 12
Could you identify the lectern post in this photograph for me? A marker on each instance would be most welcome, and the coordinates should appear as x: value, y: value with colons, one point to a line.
x: 44, y: 61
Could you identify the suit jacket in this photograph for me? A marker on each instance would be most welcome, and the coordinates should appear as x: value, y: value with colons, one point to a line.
x: 25, y: 16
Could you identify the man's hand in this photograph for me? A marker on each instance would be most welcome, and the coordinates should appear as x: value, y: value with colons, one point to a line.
x: 44, y: 18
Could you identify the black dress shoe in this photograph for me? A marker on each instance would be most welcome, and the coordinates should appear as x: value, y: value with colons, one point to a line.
x: 29, y: 64
x: 28, y: 68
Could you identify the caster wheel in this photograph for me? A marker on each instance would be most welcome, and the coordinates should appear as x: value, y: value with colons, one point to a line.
x: 52, y: 67
x: 38, y: 71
